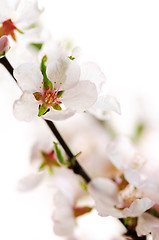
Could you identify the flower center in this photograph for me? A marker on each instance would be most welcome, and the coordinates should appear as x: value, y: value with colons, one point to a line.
x: 8, y: 28
x: 49, y: 160
x: 48, y: 98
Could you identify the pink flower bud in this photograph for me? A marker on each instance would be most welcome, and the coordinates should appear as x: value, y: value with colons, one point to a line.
x: 4, y: 45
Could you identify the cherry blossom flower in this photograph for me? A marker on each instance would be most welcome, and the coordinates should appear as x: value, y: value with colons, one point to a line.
x: 4, y: 45
x: 44, y: 163
x: 92, y: 72
x: 109, y: 201
x: 55, y: 92
x: 17, y: 15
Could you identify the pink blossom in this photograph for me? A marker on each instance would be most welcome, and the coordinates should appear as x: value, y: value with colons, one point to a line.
x: 4, y: 45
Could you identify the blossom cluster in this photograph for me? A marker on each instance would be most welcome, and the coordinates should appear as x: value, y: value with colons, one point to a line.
x: 55, y: 86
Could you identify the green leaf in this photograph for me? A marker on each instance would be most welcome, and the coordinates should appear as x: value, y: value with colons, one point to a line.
x: 59, y: 154
x: 42, y: 109
x: 37, y: 46
x: 46, y: 82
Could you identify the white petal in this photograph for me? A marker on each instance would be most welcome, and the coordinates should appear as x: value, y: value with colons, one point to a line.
x: 25, y: 108
x: 64, y: 72
x: 30, y: 182
x: 58, y: 115
x: 64, y: 227
x: 81, y: 97
x: 114, y: 155
x: 29, y: 77
x: 132, y: 176
x: 91, y: 71
x: 105, y: 194
x: 76, y: 52
x: 138, y: 207
x: 121, y: 152
x: 27, y: 12
x: 63, y: 218
x: 107, y: 103
x: 4, y: 44
x: 5, y: 9
x: 99, y: 114
x: 146, y: 224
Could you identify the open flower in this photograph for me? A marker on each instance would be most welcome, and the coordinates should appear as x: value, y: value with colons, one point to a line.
x: 15, y: 15
x: 4, y: 45
x: 55, y: 92
x: 44, y: 164
x: 110, y: 201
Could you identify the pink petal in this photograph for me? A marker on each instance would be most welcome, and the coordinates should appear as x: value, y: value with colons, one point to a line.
x: 4, y: 45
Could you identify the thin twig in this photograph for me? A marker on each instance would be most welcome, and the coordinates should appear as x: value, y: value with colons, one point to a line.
x: 76, y: 167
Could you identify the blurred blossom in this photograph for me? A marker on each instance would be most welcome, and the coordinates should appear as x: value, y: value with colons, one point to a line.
x: 17, y: 16
x: 66, y: 207
x: 4, y: 45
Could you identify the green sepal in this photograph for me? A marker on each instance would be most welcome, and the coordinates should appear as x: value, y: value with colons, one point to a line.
x: 42, y: 109
x: 56, y: 106
x: 138, y: 132
x: 59, y: 154
x: 38, y: 96
x: 37, y: 46
x: 50, y: 170
x: 73, y: 159
x: 79, y: 211
x: 19, y: 30
x: 71, y: 58
x: 126, y: 220
x: 2, y: 55
x: 42, y: 166
x: 46, y: 82
x: 84, y: 186
x: 60, y: 94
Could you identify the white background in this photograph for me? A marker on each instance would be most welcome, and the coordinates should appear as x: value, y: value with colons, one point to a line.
x: 123, y: 38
